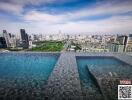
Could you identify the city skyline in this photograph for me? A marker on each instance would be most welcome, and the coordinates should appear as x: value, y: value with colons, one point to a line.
x: 69, y: 16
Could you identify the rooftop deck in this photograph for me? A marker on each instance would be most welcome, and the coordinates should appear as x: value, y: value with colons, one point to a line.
x: 64, y: 81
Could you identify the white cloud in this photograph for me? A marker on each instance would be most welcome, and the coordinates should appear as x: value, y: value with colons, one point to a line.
x: 41, y: 22
x: 11, y: 8
x: 113, y: 25
x: 17, y: 6
x: 112, y: 9
x: 38, y: 16
x: 33, y: 2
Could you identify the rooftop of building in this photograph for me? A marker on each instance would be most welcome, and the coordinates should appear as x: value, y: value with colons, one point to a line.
x: 64, y: 81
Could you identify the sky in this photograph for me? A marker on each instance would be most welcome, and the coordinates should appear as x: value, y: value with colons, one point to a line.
x: 69, y: 16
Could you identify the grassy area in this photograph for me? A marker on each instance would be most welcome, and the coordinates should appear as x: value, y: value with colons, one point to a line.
x: 48, y: 46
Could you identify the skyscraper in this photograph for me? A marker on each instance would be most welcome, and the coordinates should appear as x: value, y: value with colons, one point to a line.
x: 3, y: 42
x: 24, y: 39
x: 129, y: 43
x: 7, y: 38
x: 122, y: 40
x: 13, y: 40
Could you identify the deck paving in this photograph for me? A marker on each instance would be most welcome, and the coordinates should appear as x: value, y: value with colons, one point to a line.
x: 64, y: 82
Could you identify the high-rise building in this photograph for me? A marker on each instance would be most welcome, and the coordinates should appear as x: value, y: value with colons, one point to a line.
x: 13, y: 40
x: 24, y: 39
x: 122, y: 40
x: 7, y: 38
x: 3, y: 42
x: 113, y: 47
x: 129, y: 43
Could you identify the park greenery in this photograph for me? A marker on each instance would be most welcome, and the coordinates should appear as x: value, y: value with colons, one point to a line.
x: 47, y: 46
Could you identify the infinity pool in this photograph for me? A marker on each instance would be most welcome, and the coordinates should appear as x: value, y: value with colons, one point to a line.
x: 25, y: 73
x: 101, y: 65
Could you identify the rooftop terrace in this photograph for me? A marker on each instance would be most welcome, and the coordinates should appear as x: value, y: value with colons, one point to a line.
x: 64, y: 81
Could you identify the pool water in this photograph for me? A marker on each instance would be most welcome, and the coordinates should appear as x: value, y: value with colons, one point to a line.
x: 26, y: 71
x: 104, y: 65
x: 100, y: 64
x: 100, y: 61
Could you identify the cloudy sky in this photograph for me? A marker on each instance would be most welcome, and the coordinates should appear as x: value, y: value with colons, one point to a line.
x: 69, y: 16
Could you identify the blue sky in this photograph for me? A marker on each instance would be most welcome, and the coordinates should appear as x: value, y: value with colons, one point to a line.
x: 69, y: 16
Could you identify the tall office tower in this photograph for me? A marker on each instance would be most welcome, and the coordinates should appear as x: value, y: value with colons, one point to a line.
x: 122, y: 40
x: 24, y: 39
x: 3, y: 42
x: 129, y: 43
x: 7, y: 38
x: 13, y: 41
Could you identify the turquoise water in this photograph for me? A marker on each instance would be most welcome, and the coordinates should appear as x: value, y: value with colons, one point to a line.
x: 28, y: 66
x: 100, y: 61
x: 25, y: 71
x: 101, y: 65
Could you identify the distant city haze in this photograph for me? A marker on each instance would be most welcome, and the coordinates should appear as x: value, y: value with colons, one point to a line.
x: 69, y: 16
